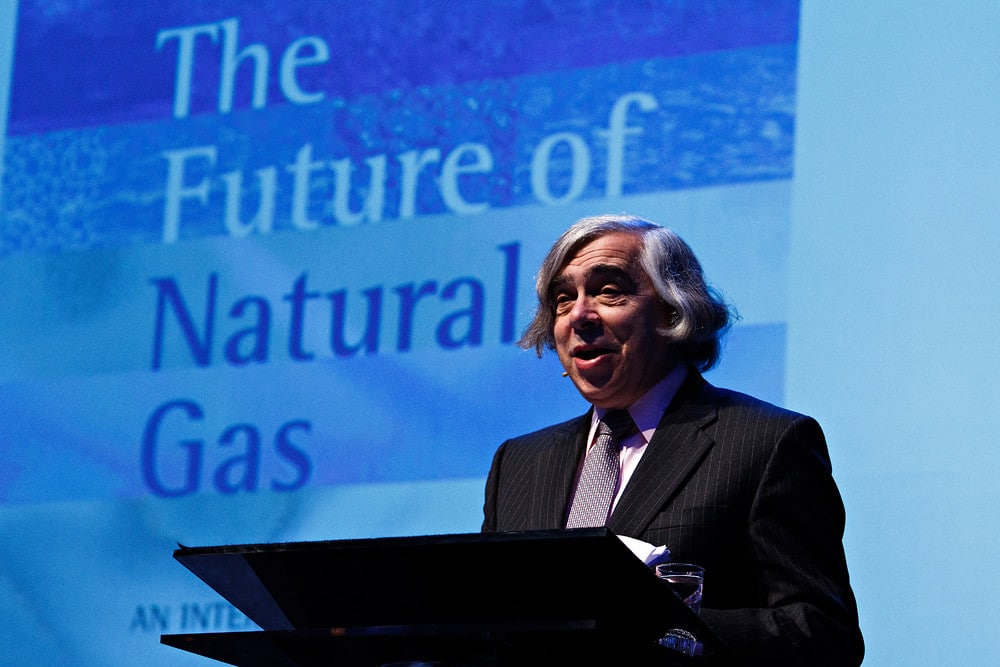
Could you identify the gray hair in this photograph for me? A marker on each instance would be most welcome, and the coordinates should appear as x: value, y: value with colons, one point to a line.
x: 701, y: 317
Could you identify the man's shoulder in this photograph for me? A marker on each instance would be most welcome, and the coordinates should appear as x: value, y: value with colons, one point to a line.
x: 730, y: 403
x: 730, y: 398
x: 739, y: 422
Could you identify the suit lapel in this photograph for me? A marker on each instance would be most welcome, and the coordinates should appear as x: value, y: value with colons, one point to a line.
x: 554, y: 477
x: 677, y: 448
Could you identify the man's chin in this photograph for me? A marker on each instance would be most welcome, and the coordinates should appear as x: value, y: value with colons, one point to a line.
x: 593, y: 392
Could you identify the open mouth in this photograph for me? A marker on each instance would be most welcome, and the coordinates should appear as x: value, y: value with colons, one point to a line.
x: 590, y: 353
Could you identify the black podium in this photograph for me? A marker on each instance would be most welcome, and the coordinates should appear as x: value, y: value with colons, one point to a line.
x: 576, y: 597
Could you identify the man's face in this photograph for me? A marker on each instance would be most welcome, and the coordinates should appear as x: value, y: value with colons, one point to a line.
x: 606, y: 316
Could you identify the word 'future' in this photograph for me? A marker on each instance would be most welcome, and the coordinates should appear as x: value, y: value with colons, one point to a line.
x: 459, y: 174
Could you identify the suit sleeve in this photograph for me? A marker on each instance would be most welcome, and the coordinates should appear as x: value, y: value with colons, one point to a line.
x: 490, y: 503
x: 808, y: 614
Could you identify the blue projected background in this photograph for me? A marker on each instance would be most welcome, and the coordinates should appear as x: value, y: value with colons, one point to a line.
x: 262, y: 265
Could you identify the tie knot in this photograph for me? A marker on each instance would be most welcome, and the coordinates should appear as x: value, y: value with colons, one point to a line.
x: 618, y: 422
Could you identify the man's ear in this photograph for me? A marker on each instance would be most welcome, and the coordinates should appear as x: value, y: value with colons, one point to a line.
x: 669, y: 316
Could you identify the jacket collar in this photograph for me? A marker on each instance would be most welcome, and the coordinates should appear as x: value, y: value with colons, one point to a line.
x: 677, y: 448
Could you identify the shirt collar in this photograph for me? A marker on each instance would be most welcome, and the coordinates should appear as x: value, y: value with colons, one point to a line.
x: 648, y: 410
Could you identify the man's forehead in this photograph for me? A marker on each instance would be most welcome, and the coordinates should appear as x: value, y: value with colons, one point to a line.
x: 597, y: 270
x: 611, y: 253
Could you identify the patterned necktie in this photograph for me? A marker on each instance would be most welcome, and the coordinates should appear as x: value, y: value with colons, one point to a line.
x: 596, y: 488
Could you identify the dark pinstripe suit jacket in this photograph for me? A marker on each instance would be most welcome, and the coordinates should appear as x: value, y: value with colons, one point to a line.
x: 727, y: 481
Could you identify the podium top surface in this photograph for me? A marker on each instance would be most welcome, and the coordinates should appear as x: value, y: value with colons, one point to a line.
x: 487, y: 578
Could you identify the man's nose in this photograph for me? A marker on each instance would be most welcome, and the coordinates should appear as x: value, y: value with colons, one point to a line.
x: 584, y: 314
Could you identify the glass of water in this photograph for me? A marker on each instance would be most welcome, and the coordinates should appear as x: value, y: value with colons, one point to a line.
x: 686, y: 580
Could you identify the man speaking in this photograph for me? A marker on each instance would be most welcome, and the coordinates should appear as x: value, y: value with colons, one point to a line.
x: 727, y: 481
